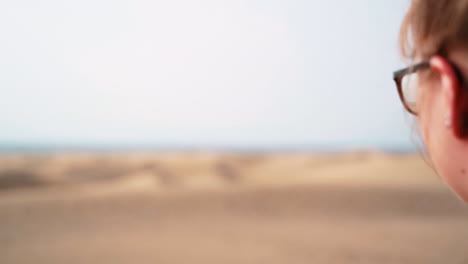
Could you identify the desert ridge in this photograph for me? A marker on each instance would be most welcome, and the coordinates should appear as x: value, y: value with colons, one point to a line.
x: 207, y: 207
x: 140, y: 172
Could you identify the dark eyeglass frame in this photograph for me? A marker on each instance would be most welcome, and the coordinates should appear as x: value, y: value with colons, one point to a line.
x: 398, y: 78
x: 400, y: 74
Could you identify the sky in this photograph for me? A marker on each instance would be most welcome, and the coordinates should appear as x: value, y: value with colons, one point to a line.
x: 246, y: 73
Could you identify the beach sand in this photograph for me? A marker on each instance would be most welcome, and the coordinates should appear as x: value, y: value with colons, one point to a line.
x: 207, y: 207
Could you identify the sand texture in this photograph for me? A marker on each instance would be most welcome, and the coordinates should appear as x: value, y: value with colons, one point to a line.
x: 227, y: 208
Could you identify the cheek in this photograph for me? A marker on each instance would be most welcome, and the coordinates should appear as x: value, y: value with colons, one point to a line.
x: 433, y: 129
x: 424, y: 116
x: 430, y: 119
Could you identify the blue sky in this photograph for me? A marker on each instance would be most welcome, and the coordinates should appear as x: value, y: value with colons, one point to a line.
x: 200, y: 73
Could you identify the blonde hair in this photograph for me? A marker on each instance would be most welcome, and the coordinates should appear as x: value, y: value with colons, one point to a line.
x: 433, y: 26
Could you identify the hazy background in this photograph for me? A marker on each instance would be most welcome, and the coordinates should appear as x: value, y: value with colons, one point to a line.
x: 205, y: 73
x: 140, y: 77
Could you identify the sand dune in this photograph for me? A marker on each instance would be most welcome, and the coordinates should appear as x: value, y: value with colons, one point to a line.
x: 227, y: 208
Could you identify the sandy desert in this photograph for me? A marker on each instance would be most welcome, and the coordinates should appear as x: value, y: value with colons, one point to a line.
x: 214, y: 207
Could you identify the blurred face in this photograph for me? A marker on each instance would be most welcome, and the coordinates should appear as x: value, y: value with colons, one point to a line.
x: 441, y: 116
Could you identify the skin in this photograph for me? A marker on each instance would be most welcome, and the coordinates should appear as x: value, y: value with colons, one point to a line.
x: 443, y: 97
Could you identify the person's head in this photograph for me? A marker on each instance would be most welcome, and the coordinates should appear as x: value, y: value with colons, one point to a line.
x: 434, y: 37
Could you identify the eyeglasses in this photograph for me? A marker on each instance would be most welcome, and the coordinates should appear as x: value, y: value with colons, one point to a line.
x: 407, y: 82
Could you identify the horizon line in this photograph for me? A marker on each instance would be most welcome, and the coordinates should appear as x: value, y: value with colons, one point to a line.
x: 153, y: 147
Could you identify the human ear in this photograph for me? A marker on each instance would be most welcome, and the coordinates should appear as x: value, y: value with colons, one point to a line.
x: 454, y: 94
